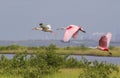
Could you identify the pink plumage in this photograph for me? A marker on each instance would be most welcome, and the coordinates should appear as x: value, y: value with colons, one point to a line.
x: 71, y: 32
x: 104, y: 42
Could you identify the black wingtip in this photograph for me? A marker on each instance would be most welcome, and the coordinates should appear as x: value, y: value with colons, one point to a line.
x: 84, y: 31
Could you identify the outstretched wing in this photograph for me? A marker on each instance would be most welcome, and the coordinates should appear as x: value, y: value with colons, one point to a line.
x: 45, y: 27
x: 49, y: 27
x: 109, y: 36
x: 75, y: 35
x: 70, y: 31
x: 103, y: 42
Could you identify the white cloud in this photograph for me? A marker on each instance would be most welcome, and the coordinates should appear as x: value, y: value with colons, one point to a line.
x: 97, y: 33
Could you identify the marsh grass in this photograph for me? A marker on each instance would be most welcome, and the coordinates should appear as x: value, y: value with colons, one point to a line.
x: 115, y: 74
x: 10, y: 76
x: 48, y: 64
x: 75, y: 50
x: 65, y: 73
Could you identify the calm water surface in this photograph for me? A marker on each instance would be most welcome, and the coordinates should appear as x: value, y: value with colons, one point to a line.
x: 113, y: 60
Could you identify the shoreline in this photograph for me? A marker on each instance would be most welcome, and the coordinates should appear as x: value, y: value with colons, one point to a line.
x: 65, y: 54
x: 74, y: 50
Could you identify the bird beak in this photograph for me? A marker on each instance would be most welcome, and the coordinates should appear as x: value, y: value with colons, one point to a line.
x: 83, y: 31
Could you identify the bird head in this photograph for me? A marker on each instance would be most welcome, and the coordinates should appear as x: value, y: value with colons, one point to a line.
x: 41, y: 24
x: 81, y: 29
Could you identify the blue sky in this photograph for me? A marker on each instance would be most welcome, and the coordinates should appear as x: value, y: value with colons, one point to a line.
x: 18, y: 17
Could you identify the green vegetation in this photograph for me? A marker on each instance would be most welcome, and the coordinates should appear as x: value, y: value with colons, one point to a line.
x: 99, y: 70
x: 76, y: 50
x: 65, y: 73
x: 36, y: 65
x: 46, y: 62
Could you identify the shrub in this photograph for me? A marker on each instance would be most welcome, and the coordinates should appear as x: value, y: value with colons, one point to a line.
x: 4, y: 62
x: 2, y: 48
x: 71, y: 63
x: 98, y: 70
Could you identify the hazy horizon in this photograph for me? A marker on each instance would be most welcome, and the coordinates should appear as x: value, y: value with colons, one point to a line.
x: 17, y: 18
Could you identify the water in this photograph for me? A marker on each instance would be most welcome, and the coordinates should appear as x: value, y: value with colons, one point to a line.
x: 113, y: 60
x: 9, y: 56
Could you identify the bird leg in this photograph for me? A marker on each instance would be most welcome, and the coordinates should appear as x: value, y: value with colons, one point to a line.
x: 110, y: 53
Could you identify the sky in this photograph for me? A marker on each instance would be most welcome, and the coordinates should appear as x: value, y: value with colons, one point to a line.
x: 18, y: 17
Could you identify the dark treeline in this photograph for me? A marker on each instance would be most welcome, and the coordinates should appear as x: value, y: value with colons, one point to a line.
x: 47, y: 61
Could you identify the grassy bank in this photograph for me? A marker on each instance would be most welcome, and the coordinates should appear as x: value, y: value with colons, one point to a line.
x: 64, y: 73
x: 88, y: 51
x: 75, y: 50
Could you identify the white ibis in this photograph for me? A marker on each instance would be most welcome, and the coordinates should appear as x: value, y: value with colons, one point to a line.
x: 43, y: 27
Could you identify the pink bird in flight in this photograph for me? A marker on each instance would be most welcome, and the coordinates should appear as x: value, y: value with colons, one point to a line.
x: 71, y: 32
x: 104, y: 42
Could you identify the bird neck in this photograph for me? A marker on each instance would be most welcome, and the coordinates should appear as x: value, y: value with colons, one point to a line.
x: 39, y: 28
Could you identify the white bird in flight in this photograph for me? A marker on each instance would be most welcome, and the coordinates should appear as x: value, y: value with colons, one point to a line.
x: 43, y: 27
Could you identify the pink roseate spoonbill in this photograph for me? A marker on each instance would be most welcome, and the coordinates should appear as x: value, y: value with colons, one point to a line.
x: 43, y: 27
x: 71, y: 32
x: 104, y: 42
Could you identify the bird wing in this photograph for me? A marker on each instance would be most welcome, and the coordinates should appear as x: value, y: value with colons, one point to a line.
x: 103, y: 42
x: 75, y: 35
x: 49, y: 27
x: 70, y: 30
x: 44, y: 27
x: 109, y: 36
